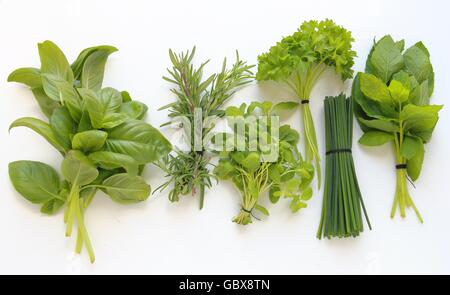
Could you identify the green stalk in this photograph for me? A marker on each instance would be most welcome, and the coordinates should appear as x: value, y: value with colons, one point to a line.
x: 402, y: 199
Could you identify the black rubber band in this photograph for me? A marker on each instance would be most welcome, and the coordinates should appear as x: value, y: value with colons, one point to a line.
x: 338, y: 151
x: 401, y: 166
x: 305, y: 101
x: 246, y: 211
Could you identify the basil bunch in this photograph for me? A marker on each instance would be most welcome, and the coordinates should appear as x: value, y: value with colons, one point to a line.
x: 99, y: 132
x: 288, y: 175
x: 393, y: 105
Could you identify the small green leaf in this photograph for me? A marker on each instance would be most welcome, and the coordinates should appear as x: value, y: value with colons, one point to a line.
x: 133, y: 110
x: 420, y: 118
x: 35, y: 181
x: 382, y: 125
x: 307, y: 194
x: 411, y: 146
x: 94, y: 69
x: 262, y: 209
x: 28, y: 76
x: 376, y: 138
x: 125, y: 189
x: 89, y: 141
x: 110, y: 161
x: 386, y: 58
x: 54, y: 62
x: 398, y: 92
x: 252, y: 162
x: 78, y: 169
x: 62, y: 126
x: 414, y: 165
x: 417, y: 63
x: 374, y: 88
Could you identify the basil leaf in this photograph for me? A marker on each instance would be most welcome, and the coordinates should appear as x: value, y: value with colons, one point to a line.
x: 54, y: 62
x: 35, y: 181
x: 78, y: 169
x: 110, y: 160
x: 89, y: 141
x: 28, y: 76
x: 124, y: 188
x: 386, y: 59
x: 40, y: 127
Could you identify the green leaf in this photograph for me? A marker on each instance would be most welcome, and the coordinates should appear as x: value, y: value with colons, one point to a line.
x: 274, y: 194
x: 307, y: 194
x: 78, y: 65
x: 374, y: 88
x: 28, y: 76
x: 113, y: 120
x: 62, y: 126
x: 125, y: 189
x: 420, y: 118
x: 224, y: 169
x: 110, y: 161
x: 421, y: 95
x: 411, y: 146
x: 417, y: 63
x: 296, y: 205
x: 102, y: 107
x: 252, y: 162
x: 63, y: 92
x: 386, y: 59
x: 376, y: 138
x: 281, y: 108
x: 78, y: 169
x: 46, y: 104
x: 139, y: 140
x: 89, y: 141
x: 54, y: 62
x: 40, y: 127
x: 93, y: 69
x: 382, y: 125
x: 52, y: 207
x: 262, y: 209
x: 35, y: 181
x: 414, y: 165
x: 234, y: 112
x: 133, y: 110
x: 398, y: 92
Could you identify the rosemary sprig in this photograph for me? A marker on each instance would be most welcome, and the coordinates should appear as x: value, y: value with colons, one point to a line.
x: 188, y: 172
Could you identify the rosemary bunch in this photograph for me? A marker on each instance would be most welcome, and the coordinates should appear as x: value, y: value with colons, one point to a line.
x: 342, y: 202
x: 197, y: 101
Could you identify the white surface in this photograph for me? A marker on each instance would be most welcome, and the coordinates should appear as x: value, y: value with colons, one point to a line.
x: 157, y: 237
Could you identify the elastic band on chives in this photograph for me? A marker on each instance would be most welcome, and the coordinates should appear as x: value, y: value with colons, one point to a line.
x: 338, y: 151
x: 305, y: 101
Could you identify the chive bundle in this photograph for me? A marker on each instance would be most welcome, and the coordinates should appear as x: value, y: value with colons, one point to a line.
x: 342, y: 201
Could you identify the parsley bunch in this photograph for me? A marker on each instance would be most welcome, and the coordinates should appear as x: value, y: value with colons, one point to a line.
x: 300, y: 59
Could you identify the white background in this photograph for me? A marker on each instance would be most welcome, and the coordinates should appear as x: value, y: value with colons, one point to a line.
x: 157, y: 237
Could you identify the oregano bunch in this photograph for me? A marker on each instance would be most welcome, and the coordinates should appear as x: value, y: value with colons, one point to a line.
x: 270, y: 163
x: 98, y: 131
x: 201, y: 98
x: 299, y: 60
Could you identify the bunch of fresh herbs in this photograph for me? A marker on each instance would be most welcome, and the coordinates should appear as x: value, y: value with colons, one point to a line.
x: 393, y: 105
x: 253, y: 168
x: 203, y: 99
x: 342, y: 201
x: 99, y: 132
x: 300, y: 59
